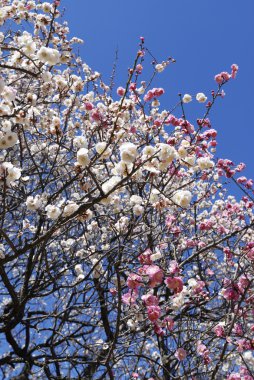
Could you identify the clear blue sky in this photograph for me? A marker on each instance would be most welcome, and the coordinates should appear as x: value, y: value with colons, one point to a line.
x: 205, y: 37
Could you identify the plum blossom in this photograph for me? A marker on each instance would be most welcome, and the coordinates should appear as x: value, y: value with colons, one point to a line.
x: 12, y: 173
x: 134, y: 281
x: 149, y: 299
x: 174, y: 283
x: 205, y: 163
x: 180, y: 354
x: 48, y: 55
x: 33, y: 203
x: 130, y: 297
x: 201, y: 98
x: 82, y: 157
x: 219, y: 330
x: 153, y: 312
x: 187, y: 98
x: 182, y: 198
x: 154, y: 273
x: 53, y: 212
x: 128, y: 152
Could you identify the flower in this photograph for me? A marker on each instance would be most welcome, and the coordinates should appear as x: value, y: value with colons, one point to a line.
x: 234, y: 69
x: 169, y: 323
x: 153, y: 312
x: 70, y: 208
x: 182, y: 198
x: 166, y: 152
x: 120, y: 91
x: 201, y: 98
x: 12, y: 172
x: 130, y: 297
x: 149, y: 299
x: 222, y: 77
x: 155, y: 275
x: 8, y: 139
x: 159, y: 67
x: 174, y: 283
x: 136, y: 200
x: 53, y: 212
x: 205, y: 163
x: 230, y: 294
x: 134, y: 281
x: 33, y: 203
x: 128, y: 152
x: 180, y: 354
x: 187, y: 98
x: 102, y: 149
x: 82, y: 157
x: 48, y: 55
x: 138, y: 210
x: 2, y: 85
x: 219, y: 330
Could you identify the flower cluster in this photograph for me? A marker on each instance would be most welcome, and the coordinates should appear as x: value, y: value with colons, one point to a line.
x: 119, y: 238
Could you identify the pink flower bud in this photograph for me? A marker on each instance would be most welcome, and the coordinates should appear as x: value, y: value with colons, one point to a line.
x: 120, y: 91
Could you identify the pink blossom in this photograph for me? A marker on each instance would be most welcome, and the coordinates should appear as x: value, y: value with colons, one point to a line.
x: 155, y: 92
x: 170, y: 219
x: 209, y: 272
x: 150, y: 299
x: 133, y: 86
x: 180, y: 354
x: 230, y: 294
x: 223, y: 77
x: 120, y: 91
x: 203, y: 351
x: 88, y: 106
x: 96, y: 116
x: 250, y: 254
x: 199, y: 286
x: 234, y: 376
x: 243, y: 344
x: 113, y: 291
x: 153, y: 312
x: 243, y: 283
x: 130, y: 297
x: 134, y: 281
x: 139, y: 68
x: 145, y: 257
x: 169, y: 323
x: 158, y: 330
x: 234, y: 71
x: 219, y: 331
x: 238, y: 329
x: 240, y: 167
x: 174, y: 283
x: 228, y: 253
x: 249, y: 184
x: 155, y: 275
x: 173, y: 267
x: 172, y: 120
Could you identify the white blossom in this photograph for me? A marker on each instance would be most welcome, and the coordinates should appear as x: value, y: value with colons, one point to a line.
x: 82, y: 157
x: 201, y: 98
x: 182, y: 198
x: 53, y: 212
x: 48, y: 55
x: 128, y: 152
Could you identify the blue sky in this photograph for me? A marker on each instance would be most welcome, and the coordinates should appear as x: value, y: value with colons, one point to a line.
x: 205, y: 37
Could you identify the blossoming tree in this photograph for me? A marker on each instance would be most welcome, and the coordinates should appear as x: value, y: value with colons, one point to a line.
x: 122, y: 256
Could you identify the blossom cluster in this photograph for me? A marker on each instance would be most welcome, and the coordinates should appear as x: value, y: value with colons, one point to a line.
x: 117, y: 229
